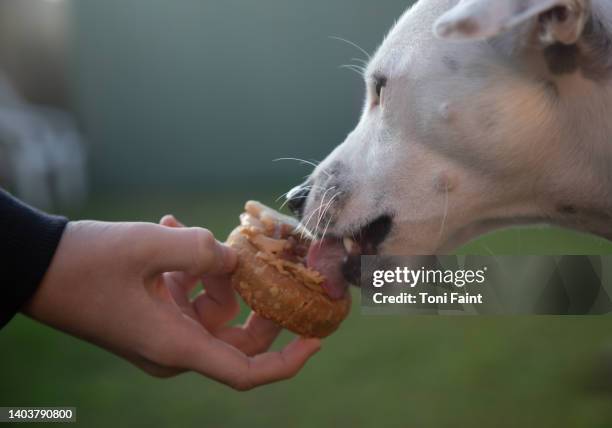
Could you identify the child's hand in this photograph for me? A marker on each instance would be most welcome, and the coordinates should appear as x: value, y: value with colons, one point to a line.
x: 126, y: 287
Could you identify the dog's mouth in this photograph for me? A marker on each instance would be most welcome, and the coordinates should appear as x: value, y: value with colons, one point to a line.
x: 339, y: 258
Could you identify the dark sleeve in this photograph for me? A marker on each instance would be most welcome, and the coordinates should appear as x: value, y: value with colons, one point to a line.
x: 28, y: 240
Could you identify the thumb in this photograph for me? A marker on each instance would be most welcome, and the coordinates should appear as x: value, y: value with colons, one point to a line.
x: 191, y: 250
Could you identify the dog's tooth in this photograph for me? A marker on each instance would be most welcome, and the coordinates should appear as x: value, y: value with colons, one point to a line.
x: 349, y: 244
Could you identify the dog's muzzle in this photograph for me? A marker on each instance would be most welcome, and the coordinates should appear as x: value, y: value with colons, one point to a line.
x: 338, y: 258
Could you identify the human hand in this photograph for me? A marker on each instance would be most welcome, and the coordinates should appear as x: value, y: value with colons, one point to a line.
x: 126, y: 288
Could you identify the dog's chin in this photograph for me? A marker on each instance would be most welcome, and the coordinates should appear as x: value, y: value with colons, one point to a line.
x: 338, y: 258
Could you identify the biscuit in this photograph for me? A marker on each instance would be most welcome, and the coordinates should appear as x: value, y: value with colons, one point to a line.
x: 273, y: 279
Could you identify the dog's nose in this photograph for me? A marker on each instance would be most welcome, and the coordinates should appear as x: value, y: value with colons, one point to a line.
x: 296, y: 199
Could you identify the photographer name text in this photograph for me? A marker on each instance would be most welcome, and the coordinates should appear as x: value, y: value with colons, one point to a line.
x: 387, y: 281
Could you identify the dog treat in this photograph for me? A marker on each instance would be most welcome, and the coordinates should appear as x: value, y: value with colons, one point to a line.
x: 272, y: 276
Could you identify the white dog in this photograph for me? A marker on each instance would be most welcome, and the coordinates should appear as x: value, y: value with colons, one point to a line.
x: 479, y: 114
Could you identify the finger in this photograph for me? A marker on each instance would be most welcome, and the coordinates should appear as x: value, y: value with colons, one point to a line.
x: 170, y: 221
x: 191, y: 250
x: 179, y: 282
x: 275, y: 366
x: 178, y: 293
x: 158, y: 288
x: 180, y: 277
x: 228, y: 365
x: 253, y: 338
x: 217, y: 305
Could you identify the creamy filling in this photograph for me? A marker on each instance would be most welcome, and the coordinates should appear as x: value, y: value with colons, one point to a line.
x: 278, y: 244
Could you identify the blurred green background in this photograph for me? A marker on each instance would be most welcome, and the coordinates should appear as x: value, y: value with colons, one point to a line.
x: 184, y: 105
x: 213, y: 91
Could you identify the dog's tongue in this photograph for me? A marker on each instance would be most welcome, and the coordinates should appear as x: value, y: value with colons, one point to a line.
x: 326, y: 257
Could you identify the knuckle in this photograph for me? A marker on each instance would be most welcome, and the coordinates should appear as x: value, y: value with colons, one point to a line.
x: 241, y: 381
x: 205, y: 244
x: 205, y: 238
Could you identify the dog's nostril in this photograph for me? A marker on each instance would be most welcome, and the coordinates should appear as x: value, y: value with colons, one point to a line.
x: 296, y: 199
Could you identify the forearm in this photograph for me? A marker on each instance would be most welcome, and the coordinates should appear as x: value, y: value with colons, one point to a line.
x: 28, y: 241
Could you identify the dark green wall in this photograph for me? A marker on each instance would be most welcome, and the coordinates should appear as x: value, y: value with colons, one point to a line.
x: 190, y: 92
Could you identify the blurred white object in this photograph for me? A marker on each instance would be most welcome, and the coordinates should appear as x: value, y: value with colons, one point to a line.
x: 42, y: 158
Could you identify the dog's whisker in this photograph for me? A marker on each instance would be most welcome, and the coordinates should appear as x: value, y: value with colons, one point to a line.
x: 321, y: 203
x: 355, y: 45
x: 321, y: 209
x: 328, y: 205
x: 326, y: 227
x: 311, y: 187
x: 361, y: 60
x: 325, y: 211
x: 357, y: 67
x: 353, y: 68
x: 289, y: 191
x: 303, y: 161
x: 330, y: 217
x: 284, y: 195
x: 304, y: 224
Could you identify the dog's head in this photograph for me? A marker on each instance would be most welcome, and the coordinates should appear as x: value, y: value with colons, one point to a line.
x: 457, y: 138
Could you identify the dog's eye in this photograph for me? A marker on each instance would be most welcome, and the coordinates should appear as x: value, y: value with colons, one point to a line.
x: 380, y: 83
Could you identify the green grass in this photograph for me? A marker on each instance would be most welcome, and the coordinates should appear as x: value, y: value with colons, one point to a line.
x: 376, y: 371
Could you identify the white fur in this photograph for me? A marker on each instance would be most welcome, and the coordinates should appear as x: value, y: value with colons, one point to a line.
x: 453, y: 154
x: 485, y: 18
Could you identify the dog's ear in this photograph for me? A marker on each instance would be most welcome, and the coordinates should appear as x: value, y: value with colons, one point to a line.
x: 560, y: 21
